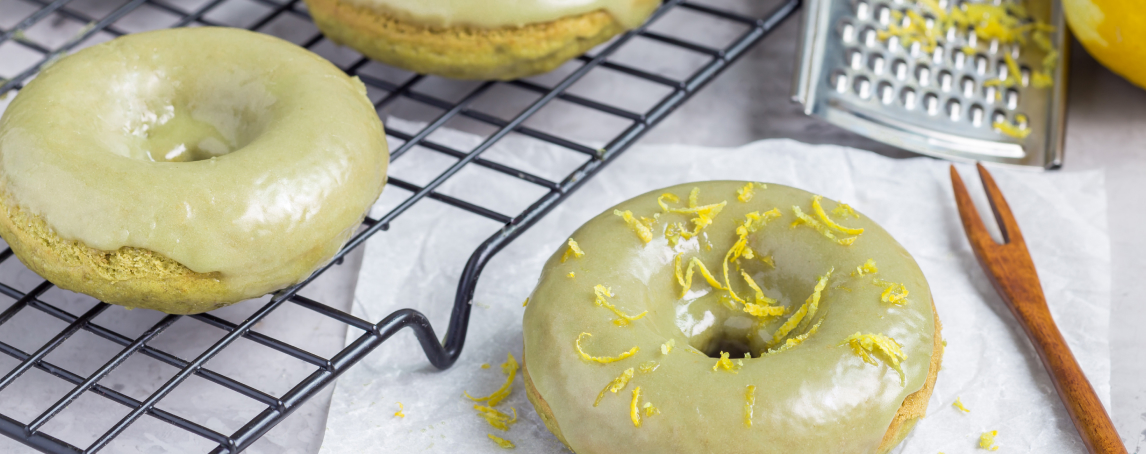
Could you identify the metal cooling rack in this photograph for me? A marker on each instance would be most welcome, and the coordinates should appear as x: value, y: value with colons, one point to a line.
x: 635, y: 123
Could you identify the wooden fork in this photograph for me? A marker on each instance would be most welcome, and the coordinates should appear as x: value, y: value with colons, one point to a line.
x: 1012, y: 272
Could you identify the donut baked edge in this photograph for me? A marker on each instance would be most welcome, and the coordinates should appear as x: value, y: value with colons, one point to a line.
x: 463, y: 52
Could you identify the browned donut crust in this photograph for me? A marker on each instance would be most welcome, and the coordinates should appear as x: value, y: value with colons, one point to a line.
x: 462, y: 52
x: 112, y: 276
x: 913, y: 409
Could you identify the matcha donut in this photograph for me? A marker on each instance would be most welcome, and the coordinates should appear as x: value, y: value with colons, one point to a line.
x: 476, y: 39
x: 731, y: 317
x: 183, y: 170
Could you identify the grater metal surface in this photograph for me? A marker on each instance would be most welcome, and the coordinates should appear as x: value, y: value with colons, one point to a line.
x: 935, y: 103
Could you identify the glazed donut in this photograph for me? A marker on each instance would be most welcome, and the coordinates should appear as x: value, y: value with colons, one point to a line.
x: 476, y: 39
x: 731, y: 317
x: 183, y: 170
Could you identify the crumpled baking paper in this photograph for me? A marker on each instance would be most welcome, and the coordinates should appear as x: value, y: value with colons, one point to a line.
x: 989, y: 364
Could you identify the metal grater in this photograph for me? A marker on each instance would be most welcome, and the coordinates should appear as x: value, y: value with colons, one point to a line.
x: 931, y: 103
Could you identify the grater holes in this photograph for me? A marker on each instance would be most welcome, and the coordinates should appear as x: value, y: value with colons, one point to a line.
x: 937, y: 55
x: 1012, y: 99
x: 899, y: 68
x: 972, y: 38
x: 1016, y: 49
x: 893, y: 44
x: 981, y: 64
x: 968, y: 87
x: 923, y: 75
x: 876, y: 63
x: 886, y: 92
x: 946, y: 80
x: 990, y: 94
x: 883, y: 15
x: 870, y: 37
x: 863, y: 10
x: 931, y: 103
x: 998, y: 117
x: 847, y: 31
x: 975, y: 115
x: 954, y: 109
x: 907, y: 98
x: 915, y: 50
x: 993, y: 46
x: 1025, y: 75
x: 959, y: 59
x: 854, y: 58
x: 952, y: 34
x: 862, y: 87
x: 1021, y: 121
x: 839, y: 81
x: 1004, y: 70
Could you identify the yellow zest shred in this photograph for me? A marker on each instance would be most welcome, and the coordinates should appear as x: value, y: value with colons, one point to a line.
x: 868, y: 267
x: 760, y: 297
x: 752, y: 222
x: 496, y: 418
x: 685, y: 278
x: 648, y: 367
x: 693, y: 195
x: 819, y: 209
x: 987, y: 440
x: 802, y: 218
x: 485, y: 365
x: 526, y: 303
x: 399, y: 412
x: 509, y: 368
x: 768, y: 260
x: 634, y: 412
x: 617, y: 384
x: 959, y: 404
x: 640, y: 229
x: 650, y: 409
x: 1011, y: 130
x: 667, y: 196
x: 501, y: 441
x: 806, y: 311
x: 749, y: 402
x: 794, y: 341
x: 673, y: 232
x: 892, y: 293
x: 745, y: 194
x: 867, y: 345
x: 574, y: 250
x: 571, y: 275
x: 844, y: 210
x: 763, y: 311
x: 667, y: 346
x: 704, y: 217
x: 601, y: 301
x: 725, y: 363
x: 602, y: 359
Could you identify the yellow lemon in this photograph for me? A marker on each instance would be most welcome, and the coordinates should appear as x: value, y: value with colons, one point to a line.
x: 1114, y: 32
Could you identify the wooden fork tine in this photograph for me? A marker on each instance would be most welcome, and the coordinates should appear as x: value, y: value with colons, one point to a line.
x: 972, y: 224
x: 1003, y: 215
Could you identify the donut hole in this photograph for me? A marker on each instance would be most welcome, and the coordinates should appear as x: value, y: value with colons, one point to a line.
x: 171, y: 119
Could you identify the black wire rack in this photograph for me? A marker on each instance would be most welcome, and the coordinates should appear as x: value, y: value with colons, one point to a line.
x: 91, y: 26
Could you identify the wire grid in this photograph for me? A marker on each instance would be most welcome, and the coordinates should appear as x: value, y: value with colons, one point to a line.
x: 374, y: 334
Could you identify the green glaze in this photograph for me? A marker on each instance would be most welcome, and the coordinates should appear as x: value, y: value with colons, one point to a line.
x: 817, y: 397
x: 225, y: 150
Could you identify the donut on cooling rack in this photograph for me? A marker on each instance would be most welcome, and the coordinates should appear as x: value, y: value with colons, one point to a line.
x: 731, y: 317
x: 183, y: 170
x: 476, y: 39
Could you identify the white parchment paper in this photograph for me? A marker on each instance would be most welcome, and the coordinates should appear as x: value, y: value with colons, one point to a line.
x: 989, y: 364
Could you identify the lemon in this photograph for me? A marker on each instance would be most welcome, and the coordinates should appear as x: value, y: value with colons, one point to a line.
x: 1114, y: 32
